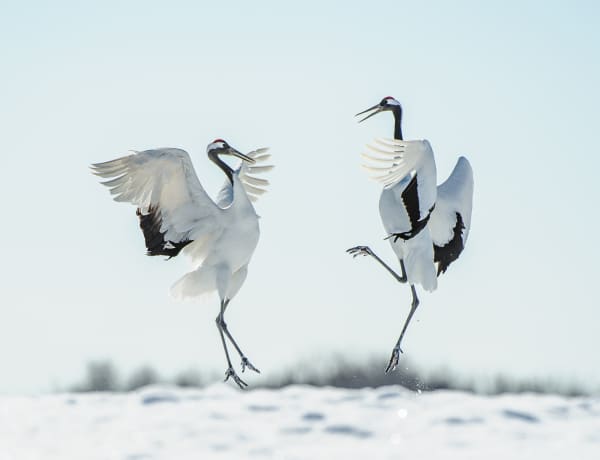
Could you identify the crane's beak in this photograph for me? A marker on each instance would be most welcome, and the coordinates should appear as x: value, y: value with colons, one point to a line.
x: 377, y: 108
x: 240, y: 155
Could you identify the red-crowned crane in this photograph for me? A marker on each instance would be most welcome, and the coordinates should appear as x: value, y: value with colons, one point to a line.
x: 177, y: 215
x: 426, y: 225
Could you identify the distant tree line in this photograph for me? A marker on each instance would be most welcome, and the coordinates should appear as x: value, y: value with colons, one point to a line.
x: 103, y: 376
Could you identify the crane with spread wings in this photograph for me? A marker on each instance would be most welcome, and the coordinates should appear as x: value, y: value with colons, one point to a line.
x: 176, y: 216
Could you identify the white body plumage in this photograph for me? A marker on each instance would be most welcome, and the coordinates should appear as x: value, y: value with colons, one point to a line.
x: 411, y: 200
x: 412, y: 168
x: 222, y: 265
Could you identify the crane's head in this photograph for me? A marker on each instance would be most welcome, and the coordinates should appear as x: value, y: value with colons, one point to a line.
x: 221, y: 147
x: 387, y: 103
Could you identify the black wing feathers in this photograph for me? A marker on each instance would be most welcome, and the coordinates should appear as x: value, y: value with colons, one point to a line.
x: 150, y: 224
x: 448, y: 253
x: 410, y: 198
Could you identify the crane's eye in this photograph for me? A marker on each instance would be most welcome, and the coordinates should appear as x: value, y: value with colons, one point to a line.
x: 383, y: 102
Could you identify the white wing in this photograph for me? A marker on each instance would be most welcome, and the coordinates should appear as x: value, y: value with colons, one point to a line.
x: 395, y: 162
x: 173, y: 207
x: 451, y: 219
x: 254, y: 186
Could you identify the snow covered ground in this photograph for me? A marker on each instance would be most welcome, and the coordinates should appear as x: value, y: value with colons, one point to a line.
x: 298, y: 422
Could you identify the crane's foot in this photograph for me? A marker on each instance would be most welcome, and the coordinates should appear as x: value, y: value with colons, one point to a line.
x: 231, y: 373
x: 394, y: 359
x: 359, y: 251
x: 248, y: 364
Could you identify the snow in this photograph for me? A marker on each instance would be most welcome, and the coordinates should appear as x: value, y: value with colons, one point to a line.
x: 297, y: 422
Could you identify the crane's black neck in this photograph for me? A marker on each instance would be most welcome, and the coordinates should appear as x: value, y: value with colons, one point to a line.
x: 214, y: 156
x: 397, y: 111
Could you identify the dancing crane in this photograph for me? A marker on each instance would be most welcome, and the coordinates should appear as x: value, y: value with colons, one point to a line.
x: 176, y: 214
x: 426, y: 225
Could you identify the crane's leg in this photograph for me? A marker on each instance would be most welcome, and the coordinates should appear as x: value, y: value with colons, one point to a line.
x: 404, y: 278
x: 397, y: 350
x: 366, y: 251
x: 223, y: 326
x: 229, y: 372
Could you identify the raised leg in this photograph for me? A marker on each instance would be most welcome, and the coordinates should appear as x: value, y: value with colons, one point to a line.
x: 229, y: 372
x: 397, y: 350
x: 221, y: 319
x: 366, y: 251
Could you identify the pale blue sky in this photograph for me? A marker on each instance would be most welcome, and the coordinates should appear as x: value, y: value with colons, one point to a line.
x: 512, y: 85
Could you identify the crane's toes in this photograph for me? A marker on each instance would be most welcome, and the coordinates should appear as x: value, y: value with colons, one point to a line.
x: 359, y: 251
x: 394, y: 360
x: 248, y: 364
x: 231, y: 373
